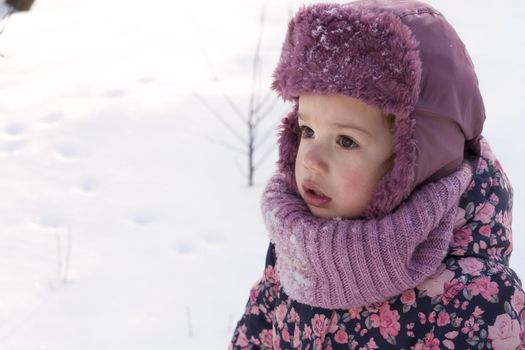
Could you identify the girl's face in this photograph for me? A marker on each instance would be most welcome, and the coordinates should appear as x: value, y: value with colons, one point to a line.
x: 345, y: 149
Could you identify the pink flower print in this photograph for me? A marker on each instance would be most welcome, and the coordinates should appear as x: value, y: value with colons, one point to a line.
x: 448, y: 343
x: 254, y: 293
x: 296, y: 336
x: 482, y: 165
x: 320, y: 326
x: 443, y: 318
x: 242, y: 340
x: 341, y: 337
x: 432, y: 317
x: 408, y: 297
x: 371, y: 344
x: 271, y: 275
x: 494, y: 199
x: 486, y: 212
x: 462, y: 237
x: 429, y: 343
x: 469, y: 327
x: 355, y: 313
x: 266, y: 337
x: 452, y: 288
x: 457, y: 321
x: 387, y: 320
x: 505, y: 333
x: 334, y: 323
x: 471, y: 265
x: 276, y: 343
x: 285, y: 335
x: 484, y: 286
x: 506, y: 221
x: 256, y: 309
x: 518, y: 300
x: 280, y: 314
x: 485, y: 230
x: 434, y: 285
x: 307, y: 332
x: 374, y: 307
x: 293, y: 316
x: 477, y: 312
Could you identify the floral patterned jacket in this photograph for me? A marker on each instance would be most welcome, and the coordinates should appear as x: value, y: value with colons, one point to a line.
x: 474, y: 301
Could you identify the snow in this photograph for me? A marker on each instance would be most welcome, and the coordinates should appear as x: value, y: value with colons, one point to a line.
x: 101, y: 137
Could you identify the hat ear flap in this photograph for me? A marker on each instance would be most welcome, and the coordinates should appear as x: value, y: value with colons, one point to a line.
x: 288, y: 140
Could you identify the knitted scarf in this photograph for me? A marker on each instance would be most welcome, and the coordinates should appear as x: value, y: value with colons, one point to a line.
x: 343, y: 263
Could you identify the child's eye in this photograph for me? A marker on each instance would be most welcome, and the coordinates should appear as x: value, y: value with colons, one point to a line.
x: 346, y: 142
x: 305, y: 131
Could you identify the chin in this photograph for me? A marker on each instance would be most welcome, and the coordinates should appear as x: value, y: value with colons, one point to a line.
x: 322, y: 212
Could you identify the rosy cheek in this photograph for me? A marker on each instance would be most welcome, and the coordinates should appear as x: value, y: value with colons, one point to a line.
x: 357, y: 185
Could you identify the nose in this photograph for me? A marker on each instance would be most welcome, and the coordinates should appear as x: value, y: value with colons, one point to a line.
x: 313, y: 161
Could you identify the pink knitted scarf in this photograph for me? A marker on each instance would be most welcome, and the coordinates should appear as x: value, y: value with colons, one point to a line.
x: 344, y: 263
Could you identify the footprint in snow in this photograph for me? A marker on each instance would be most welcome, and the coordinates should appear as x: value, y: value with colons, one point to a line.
x: 213, y: 239
x: 141, y: 218
x: 88, y: 185
x: 12, y: 147
x: 15, y: 129
x: 184, y: 248
x: 52, y: 118
x: 67, y: 151
x: 115, y: 93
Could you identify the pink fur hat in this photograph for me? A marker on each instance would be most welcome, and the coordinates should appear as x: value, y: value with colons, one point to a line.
x: 400, y: 56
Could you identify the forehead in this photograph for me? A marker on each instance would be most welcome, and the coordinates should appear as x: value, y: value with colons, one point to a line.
x: 341, y: 110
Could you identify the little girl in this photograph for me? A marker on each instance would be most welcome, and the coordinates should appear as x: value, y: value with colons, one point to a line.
x: 389, y: 216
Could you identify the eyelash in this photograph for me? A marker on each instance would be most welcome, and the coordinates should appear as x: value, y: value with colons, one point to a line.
x: 303, y: 128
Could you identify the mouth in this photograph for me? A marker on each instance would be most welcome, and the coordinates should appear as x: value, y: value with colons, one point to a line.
x: 314, y: 196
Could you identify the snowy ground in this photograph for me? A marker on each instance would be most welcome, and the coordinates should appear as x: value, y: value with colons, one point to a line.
x: 101, y: 137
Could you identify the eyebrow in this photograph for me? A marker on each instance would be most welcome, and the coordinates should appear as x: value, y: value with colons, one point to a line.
x: 343, y: 126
